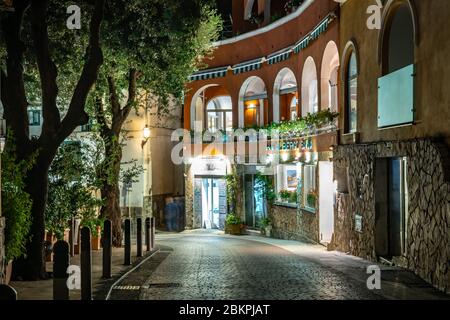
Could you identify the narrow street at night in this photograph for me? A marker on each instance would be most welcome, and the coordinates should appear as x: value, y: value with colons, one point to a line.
x: 207, y: 265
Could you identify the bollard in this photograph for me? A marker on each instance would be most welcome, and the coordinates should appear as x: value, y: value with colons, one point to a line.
x: 7, y: 293
x: 72, y: 237
x: 107, y: 249
x: 86, y: 268
x: 60, y: 266
x: 139, y: 237
x: 127, y: 251
x: 152, y: 232
x: 147, y: 234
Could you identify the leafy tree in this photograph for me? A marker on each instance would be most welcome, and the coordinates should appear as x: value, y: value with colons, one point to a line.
x: 72, y: 188
x: 47, y: 63
x: 155, y: 47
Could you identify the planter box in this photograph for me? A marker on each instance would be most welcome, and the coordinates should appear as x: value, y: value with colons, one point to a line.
x: 233, y: 229
x: 96, y: 240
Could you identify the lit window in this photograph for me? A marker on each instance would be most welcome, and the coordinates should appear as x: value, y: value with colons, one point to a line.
x: 288, y: 178
x: 309, y: 187
x: 34, y: 117
x: 352, y: 95
x: 219, y: 114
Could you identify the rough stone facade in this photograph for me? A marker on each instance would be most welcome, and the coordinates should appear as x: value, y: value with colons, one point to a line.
x: 428, y: 215
x: 2, y: 249
x: 189, y: 194
x: 293, y: 224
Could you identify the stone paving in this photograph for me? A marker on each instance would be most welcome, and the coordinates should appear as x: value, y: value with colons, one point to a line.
x: 210, y: 266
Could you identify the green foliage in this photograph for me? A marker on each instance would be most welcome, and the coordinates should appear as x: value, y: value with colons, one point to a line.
x: 288, y: 196
x: 164, y: 40
x: 72, y: 188
x: 265, y: 222
x: 16, y: 202
x: 232, y: 219
x: 265, y: 184
x: 303, y: 126
x: 233, y: 187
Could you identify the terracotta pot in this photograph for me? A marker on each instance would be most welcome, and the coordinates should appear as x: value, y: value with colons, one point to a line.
x: 8, y: 272
x: 234, y: 229
x: 96, y: 240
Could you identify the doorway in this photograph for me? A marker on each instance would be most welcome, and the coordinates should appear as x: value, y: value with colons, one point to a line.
x: 213, y: 202
x: 326, y: 208
x: 390, y: 207
x: 255, y: 203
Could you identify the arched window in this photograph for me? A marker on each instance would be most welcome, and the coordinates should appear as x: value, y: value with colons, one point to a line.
x: 309, y: 94
x: 399, y: 41
x: 219, y: 114
x: 351, y: 103
x: 396, y: 105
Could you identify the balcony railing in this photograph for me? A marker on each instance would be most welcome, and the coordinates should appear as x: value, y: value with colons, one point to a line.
x: 396, y: 98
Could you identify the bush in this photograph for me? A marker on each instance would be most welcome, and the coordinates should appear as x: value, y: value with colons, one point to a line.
x: 16, y: 203
x: 232, y: 219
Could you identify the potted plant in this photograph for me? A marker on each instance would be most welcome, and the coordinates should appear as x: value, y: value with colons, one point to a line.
x: 285, y: 195
x: 233, y: 224
x: 95, y: 225
x: 266, y: 227
x: 311, y: 199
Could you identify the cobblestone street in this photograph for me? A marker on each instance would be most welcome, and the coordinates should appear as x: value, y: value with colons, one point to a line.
x: 207, y: 265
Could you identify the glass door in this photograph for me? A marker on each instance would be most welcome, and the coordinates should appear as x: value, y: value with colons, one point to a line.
x: 255, y: 203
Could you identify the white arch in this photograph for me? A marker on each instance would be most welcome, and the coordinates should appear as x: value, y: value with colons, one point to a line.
x: 309, y: 87
x: 329, y: 77
x: 284, y: 80
x: 198, y: 107
x: 252, y: 86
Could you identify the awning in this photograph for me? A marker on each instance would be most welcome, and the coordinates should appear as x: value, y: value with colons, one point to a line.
x: 302, y: 44
x: 247, y: 66
x: 279, y: 56
x: 321, y: 28
x: 313, y: 35
x: 209, y: 74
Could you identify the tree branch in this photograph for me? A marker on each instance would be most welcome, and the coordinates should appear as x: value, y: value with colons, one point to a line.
x: 113, y: 98
x: 13, y: 90
x: 100, y: 117
x: 47, y: 68
x: 120, y: 117
x: 76, y: 114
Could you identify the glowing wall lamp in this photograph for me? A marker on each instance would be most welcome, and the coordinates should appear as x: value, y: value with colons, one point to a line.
x: 146, y: 134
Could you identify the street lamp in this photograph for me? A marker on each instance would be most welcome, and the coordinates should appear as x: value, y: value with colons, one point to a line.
x: 146, y: 135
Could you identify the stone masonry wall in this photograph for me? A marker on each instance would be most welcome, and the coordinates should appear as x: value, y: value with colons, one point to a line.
x: 189, y: 198
x: 293, y: 224
x: 2, y: 249
x: 428, y: 216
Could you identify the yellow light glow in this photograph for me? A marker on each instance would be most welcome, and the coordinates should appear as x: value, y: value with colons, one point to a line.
x: 146, y: 132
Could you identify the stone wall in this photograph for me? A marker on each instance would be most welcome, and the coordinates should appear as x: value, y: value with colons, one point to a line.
x: 293, y: 224
x: 428, y: 215
x: 189, y: 194
x: 2, y: 249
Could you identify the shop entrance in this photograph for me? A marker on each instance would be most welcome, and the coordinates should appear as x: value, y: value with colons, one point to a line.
x: 211, y: 201
x: 390, y: 207
x: 255, y: 203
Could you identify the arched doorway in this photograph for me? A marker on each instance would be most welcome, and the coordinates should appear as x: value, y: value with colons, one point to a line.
x: 253, y: 104
x: 285, y: 96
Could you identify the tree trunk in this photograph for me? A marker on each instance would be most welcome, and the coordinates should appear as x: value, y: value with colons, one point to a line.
x: 32, y: 266
x: 110, y: 189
